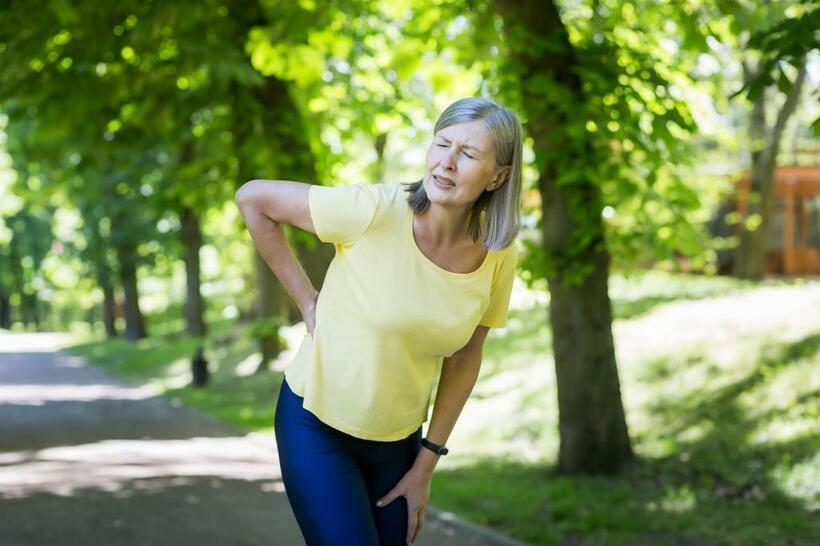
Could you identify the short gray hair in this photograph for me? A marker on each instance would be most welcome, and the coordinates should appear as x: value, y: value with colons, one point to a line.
x: 502, y: 219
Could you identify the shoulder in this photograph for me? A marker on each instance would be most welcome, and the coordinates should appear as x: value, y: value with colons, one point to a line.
x: 389, y: 192
x: 378, y: 193
x: 506, y: 258
x: 506, y: 253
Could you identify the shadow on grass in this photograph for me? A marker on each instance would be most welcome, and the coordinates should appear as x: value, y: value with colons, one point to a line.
x: 629, y: 309
x: 532, y: 333
x: 720, y: 488
x: 528, y: 334
x: 626, y: 309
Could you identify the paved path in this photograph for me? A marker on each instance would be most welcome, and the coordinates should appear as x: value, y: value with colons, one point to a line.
x: 89, y: 459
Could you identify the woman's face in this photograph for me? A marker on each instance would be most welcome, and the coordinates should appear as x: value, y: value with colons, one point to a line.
x: 465, y: 154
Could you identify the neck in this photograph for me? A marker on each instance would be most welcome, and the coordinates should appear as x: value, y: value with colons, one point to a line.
x: 446, y: 226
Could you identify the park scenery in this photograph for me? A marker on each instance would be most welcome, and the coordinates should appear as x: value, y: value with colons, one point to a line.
x: 658, y: 379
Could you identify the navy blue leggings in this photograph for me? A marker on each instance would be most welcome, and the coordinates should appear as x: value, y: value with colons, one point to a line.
x: 333, y: 480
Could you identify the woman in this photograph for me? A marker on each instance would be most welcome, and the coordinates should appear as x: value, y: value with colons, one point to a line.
x: 415, y: 278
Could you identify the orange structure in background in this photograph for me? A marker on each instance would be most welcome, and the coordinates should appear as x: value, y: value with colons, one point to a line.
x: 794, y: 236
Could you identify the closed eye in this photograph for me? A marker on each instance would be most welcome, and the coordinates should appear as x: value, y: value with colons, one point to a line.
x: 445, y: 146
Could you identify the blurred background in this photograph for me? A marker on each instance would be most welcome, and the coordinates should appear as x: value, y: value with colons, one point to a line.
x: 657, y: 382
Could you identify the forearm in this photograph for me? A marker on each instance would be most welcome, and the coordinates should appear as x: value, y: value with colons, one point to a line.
x: 272, y: 244
x: 458, y: 377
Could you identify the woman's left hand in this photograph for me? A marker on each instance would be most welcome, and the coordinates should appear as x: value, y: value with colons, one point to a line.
x: 415, y: 487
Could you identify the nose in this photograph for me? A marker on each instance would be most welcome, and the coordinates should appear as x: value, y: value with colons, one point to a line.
x: 448, y: 162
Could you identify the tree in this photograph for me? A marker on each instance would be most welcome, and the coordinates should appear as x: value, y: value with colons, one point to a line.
x: 601, y: 86
x: 150, y: 85
x: 591, y: 417
x: 770, y: 40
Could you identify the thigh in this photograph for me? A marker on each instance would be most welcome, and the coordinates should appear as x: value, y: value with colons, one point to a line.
x: 383, y: 465
x: 322, y: 479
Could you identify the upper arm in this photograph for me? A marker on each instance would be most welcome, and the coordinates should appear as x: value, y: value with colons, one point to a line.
x: 280, y: 200
x: 495, y: 315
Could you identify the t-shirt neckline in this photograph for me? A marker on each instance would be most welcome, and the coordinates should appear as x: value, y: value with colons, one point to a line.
x: 430, y: 262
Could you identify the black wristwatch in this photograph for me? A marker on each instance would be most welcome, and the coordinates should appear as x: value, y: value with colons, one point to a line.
x: 441, y: 450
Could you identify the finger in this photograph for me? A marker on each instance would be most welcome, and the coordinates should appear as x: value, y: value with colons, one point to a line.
x: 411, y: 526
x: 387, y: 499
x: 419, y: 523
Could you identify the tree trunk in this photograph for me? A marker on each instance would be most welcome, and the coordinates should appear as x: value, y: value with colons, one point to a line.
x: 754, y: 244
x: 267, y: 308
x: 106, y: 284
x: 5, y: 310
x: 35, y: 312
x: 315, y: 262
x: 18, y: 283
x: 134, y: 322
x: 378, y: 167
x: 192, y: 241
x: 273, y: 99
x: 108, y: 311
x: 592, y: 424
x: 107, y: 287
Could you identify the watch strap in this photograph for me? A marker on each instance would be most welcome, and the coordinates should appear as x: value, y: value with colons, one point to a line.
x: 441, y: 450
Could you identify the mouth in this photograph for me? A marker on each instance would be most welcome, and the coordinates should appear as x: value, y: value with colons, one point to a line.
x: 443, y: 181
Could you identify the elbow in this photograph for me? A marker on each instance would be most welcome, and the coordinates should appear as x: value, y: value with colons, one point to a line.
x: 241, y: 194
x: 246, y: 192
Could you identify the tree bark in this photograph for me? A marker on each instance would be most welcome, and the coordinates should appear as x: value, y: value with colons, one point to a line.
x: 5, y: 310
x: 750, y: 259
x: 109, y: 303
x: 104, y: 280
x: 273, y: 99
x: 267, y: 307
x: 192, y: 242
x: 378, y: 168
x: 108, y: 307
x: 30, y: 305
x: 264, y: 309
x: 134, y: 321
x: 191, y: 237
x: 592, y: 424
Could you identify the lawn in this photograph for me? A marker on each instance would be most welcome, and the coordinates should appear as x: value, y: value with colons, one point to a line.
x: 721, y: 392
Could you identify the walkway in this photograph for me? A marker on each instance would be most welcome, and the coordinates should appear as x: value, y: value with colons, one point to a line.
x: 87, y: 459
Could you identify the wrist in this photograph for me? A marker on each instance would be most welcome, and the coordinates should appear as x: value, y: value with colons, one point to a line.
x: 435, y: 448
x: 308, y: 302
x: 426, y: 461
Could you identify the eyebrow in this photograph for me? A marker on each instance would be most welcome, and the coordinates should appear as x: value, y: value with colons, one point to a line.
x: 463, y: 145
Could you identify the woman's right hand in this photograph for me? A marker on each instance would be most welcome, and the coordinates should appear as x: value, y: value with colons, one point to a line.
x: 309, y: 313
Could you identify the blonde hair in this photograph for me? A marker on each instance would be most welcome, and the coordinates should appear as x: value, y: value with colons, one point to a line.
x: 496, y: 214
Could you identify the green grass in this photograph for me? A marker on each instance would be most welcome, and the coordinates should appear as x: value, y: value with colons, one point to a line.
x: 722, y: 411
x: 243, y: 399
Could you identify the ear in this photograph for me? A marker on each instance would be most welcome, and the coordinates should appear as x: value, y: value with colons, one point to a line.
x: 500, y: 177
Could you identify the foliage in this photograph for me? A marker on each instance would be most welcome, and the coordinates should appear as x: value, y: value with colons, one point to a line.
x: 624, y: 127
x: 164, y: 111
x: 788, y: 41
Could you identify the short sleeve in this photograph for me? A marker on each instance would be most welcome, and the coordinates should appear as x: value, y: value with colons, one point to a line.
x: 495, y: 316
x: 341, y: 214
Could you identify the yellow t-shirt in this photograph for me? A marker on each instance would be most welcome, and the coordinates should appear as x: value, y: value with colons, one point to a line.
x: 386, y: 314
